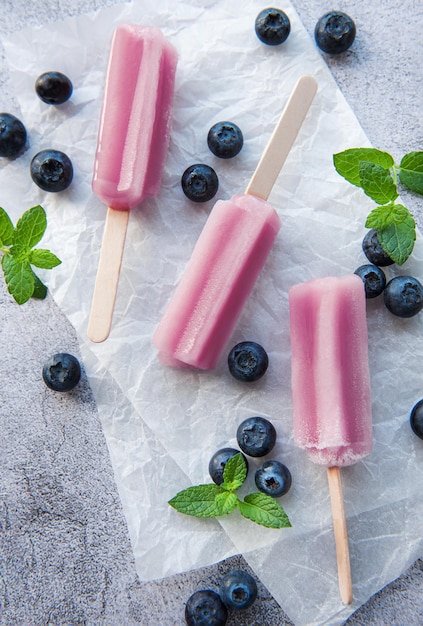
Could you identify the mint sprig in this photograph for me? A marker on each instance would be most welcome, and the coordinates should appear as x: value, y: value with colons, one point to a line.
x: 213, y: 500
x: 18, y: 254
x: 376, y: 172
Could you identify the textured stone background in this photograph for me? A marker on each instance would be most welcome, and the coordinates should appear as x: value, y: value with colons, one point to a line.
x: 65, y: 556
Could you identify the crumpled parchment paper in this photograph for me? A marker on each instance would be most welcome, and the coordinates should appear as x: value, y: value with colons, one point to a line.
x: 161, y: 424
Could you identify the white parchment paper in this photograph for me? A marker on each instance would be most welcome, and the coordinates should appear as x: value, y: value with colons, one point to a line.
x: 162, y: 425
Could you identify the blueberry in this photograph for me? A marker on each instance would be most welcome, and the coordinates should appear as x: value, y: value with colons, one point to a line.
x: 374, y: 251
x: 416, y: 419
x: 62, y: 372
x: 272, y: 26
x: 12, y: 135
x: 334, y: 32
x: 238, y: 589
x: 205, y: 608
x: 225, y: 139
x: 256, y: 436
x: 273, y: 478
x: 248, y: 361
x: 218, y: 461
x: 199, y: 182
x: 403, y: 296
x: 53, y: 87
x: 373, y: 278
x: 51, y: 170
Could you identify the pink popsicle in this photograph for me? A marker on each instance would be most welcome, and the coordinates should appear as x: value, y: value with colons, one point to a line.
x: 331, y: 387
x: 229, y: 255
x: 236, y: 243
x: 132, y: 144
x: 330, y: 370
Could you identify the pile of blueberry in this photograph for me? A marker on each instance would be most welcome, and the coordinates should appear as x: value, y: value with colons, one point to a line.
x: 200, y: 181
x: 51, y: 170
x: 256, y: 437
x: 334, y: 32
x: 402, y: 295
x: 237, y: 591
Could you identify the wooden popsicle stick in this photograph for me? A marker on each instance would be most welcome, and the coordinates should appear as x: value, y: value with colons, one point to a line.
x: 341, y: 534
x: 107, y: 278
x: 283, y: 137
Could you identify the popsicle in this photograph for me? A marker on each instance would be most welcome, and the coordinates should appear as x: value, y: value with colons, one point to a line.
x: 229, y: 254
x: 331, y: 387
x: 132, y: 144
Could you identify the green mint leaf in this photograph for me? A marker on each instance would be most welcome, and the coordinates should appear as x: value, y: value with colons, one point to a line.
x: 396, y: 230
x: 40, y: 290
x: 226, y: 502
x: 6, y: 229
x: 347, y: 163
x: 19, y: 278
x: 30, y: 227
x: 398, y: 241
x: 19, y: 253
x: 377, y: 182
x: 235, y: 473
x: 199, y: 501
x: 264, y: 510
x: 44, y: 259
x: 411, y: 171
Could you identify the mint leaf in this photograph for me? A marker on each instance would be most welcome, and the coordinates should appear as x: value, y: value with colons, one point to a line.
x: 347, y: 163
x: 19, y: 278
x: 30, y: 227
x: 235, y: 473
x: 40, y: 290
x: 6, y: 229
x: 19, y: 253
x: 377, y: 183
x: 264, y: 510
x: 396, y: 230
x: 411, y: 171
x: 199, y: 501
x: 44, y: 259
x: 226, y: 501
x: 398, y: 241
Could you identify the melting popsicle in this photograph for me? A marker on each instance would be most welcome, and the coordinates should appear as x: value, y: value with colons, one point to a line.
x: 132, y: 144
x: 331, y: 387
x: 229, y: 254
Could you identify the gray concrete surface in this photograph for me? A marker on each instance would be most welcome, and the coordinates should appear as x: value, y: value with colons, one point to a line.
x: 65, y: 556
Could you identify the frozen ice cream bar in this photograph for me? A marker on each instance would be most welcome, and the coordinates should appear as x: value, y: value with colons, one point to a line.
x: 132, y: 144
x: 236, y: 242
x: 229, y: 254
x: 330, y: 370
x: 331, y: 387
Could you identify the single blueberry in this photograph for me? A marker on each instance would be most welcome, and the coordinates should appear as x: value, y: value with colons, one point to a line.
x: 248, y: 361
x: 416, y: 419
x: 272, y: 26
x: 403, y: 296
x: 62, y: 372
x: 53, y: 87
x: 199, y: 182
x: 334, y: 32
x: 256, y: 436
x: 12, y: 135
x: 374, y: 251
x: 218, y: 462
x: 273, y: 478
x: 238, y: 589
x: 51, y: 170
x: 205, y: 608
x: 225, y: 140
x: 373, y: 278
